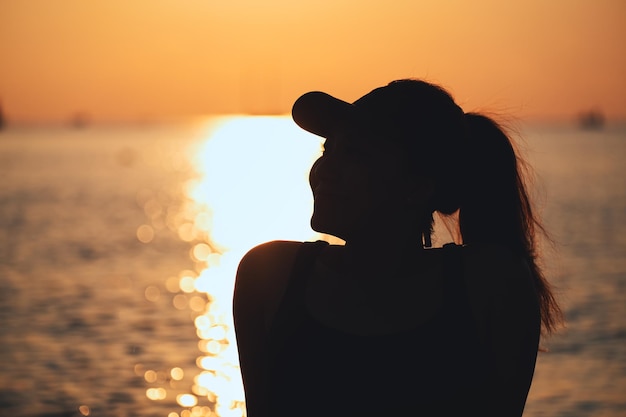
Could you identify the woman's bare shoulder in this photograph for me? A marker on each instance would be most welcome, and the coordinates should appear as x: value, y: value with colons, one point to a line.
x: 262, y: 277
x: 268, y: 261
x: 270, y: 253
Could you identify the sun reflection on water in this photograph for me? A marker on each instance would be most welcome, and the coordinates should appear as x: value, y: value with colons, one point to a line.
x: 251, y: 187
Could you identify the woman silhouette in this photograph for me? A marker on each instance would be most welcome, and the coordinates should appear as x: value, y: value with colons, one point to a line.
x: 386, y: 325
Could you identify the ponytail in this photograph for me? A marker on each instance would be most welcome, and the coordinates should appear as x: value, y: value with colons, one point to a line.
x: 495, y: 205
x: 482, y: 181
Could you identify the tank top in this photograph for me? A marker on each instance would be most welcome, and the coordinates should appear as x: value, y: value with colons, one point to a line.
x: 432, y: 369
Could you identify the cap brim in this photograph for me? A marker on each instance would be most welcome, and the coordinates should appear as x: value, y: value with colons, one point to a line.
x: 321, y: 113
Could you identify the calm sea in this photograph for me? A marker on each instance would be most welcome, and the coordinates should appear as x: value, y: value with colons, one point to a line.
x: 118, y: 247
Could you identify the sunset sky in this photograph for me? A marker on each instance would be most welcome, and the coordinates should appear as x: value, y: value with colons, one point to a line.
x: 126, y: 60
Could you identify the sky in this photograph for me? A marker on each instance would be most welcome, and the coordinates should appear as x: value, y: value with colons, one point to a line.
x: 147, y: 60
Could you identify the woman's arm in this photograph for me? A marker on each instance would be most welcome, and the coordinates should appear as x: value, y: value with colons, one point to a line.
x: 260, y: 283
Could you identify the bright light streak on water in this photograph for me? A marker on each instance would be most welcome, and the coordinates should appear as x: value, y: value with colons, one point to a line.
x: 252, y: 188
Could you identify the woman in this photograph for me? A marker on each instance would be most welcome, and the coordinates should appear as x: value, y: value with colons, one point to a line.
x: 385, y: 325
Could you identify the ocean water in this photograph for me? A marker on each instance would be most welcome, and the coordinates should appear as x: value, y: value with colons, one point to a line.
x: 118, y: 247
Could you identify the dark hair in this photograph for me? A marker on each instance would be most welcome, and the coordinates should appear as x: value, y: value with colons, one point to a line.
x: 496, y: 205
x: 477, y: 173
x: 432, y: 126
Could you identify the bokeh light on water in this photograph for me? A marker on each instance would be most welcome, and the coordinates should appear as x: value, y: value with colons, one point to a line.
x: 251, y: 187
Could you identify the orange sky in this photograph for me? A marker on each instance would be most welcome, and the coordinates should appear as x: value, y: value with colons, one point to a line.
x: 151, y: 59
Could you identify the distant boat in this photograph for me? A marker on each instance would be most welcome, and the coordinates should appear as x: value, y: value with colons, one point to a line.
x: 592, y: 119
x: 79, y: 120
x: 3, y: 121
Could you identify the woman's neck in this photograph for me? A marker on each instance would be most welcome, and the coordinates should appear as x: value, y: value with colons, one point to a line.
x: 372, y: 256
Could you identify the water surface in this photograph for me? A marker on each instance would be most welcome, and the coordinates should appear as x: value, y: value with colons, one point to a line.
x: 98, y: 243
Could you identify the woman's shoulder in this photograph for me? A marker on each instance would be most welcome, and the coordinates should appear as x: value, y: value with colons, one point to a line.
x: 270, y: 251
x: 262, y: 277
x: 268, y: 260
x: 501, y: 289
x: 271, y: 257
x: 495, y: 275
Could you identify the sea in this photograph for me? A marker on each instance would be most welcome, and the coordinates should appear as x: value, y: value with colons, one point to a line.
x: 119, y: 245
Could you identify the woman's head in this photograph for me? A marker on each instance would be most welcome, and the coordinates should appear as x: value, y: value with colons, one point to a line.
x: 467, y: 158
x: 419, y: 117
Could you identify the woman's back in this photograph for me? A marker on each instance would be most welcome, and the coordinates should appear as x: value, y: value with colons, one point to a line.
x: 433, y: 357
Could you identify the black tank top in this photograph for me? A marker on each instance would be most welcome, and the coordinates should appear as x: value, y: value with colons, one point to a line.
x: 433, y: 369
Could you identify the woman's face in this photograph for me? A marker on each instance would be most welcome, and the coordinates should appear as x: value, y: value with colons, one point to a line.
x: 359, y: 185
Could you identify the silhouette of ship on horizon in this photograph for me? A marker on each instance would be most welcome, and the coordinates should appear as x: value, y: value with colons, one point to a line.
x: 79, y: 120
x: 3, y: 120
x: 592, y: 119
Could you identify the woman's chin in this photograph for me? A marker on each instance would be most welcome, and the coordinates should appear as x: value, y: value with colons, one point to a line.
x: 324, y: 226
